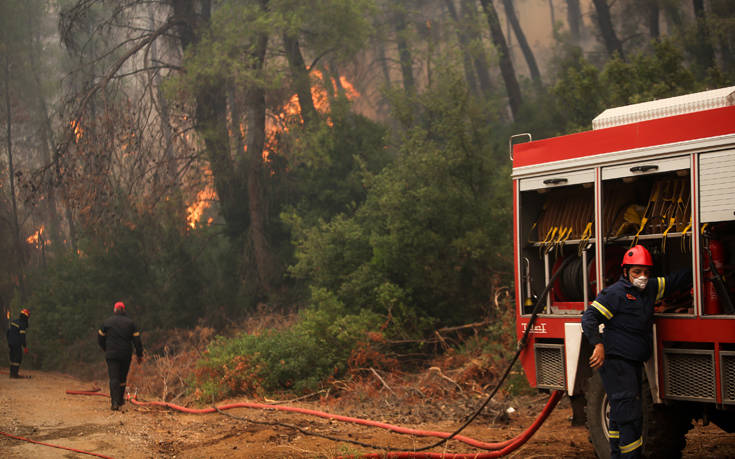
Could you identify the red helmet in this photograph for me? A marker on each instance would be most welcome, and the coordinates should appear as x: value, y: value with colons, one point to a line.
x: 119, y: 306
x: 637, y: 255
x: 25, y: 312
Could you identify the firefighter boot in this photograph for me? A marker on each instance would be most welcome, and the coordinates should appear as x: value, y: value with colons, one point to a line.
x: 121, y: 399
x: 115, y: 397
x: 14, y: 371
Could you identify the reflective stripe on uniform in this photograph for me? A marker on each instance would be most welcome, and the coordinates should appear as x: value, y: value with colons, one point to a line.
x: 661, y: 287
x: 603, y: 310
x: 22, y: 332
x: 14, y: 325
x: 614, y: 434
x: 14, y: 364
x: 101, y: 332
x: 631, y: 446
x: 136, y: 334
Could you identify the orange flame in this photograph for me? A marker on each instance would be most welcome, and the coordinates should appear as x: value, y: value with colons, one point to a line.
x: 36, y: 239
x: 319, y: 95
x: 202, y: 202
x: 78, y: 131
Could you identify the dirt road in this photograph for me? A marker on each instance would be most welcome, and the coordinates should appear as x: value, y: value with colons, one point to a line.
x: 39, y: 409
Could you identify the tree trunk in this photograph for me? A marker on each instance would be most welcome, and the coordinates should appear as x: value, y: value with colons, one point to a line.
x: 384, y: 63
x: 464, y: 44
x: 11, y: 176
x: 506, y: 65
x: 703, y: 50
x: 654, y: 13
x: 171, y: 169
x: 404, y: 51
x: 604, y: 20
x: 724, y: 12
x: 527, y: 52
x: 255, y: 102
x: 672, y: 15
x: 211, y: 123
x: 47, y: 145
x: 468, y: 11
x: 574, y: 18
x: 552, y: 15
x: 300, y: 76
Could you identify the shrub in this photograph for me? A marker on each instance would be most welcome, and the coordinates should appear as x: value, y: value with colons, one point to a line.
x: 297, y: 358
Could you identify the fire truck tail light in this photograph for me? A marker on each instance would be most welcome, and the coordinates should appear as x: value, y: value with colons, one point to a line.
x: 679, y: 105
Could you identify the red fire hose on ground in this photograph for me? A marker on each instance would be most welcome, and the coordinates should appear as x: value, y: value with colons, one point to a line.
x: 54, y: 446
x: 498, y: 449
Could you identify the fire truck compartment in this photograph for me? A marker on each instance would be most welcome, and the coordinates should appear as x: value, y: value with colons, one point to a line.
x: 556, y: 221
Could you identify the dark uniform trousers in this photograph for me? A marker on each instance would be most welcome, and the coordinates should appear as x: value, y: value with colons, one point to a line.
x: 622, y: 381
x: 16, y: 358
x: 117, y: 370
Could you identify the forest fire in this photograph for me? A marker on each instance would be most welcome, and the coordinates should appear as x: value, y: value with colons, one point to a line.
x: 36, y: 239
x: 202, y: 202
x: 291, y: 111
x: 78, y: 131
x: 320, y: 96
x: 275, y: 125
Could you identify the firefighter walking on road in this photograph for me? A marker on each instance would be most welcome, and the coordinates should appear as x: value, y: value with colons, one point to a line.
x: 16, y: 335
x: 116, y: 337
x: 626, y: 309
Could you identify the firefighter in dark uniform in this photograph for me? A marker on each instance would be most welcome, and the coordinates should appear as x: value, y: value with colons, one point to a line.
x: 16, y: 335
x: 626, y: 309
x: 116, y: 337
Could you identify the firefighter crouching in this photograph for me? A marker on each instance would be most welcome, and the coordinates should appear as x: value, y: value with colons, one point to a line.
x: 626, y: 309
x: 116, y: 337
x: 16, y: 335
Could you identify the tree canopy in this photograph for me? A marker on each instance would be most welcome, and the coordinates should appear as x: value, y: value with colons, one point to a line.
x: 201, y: 160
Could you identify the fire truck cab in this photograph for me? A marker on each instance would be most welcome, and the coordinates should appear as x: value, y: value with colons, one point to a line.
x: 660, y: 174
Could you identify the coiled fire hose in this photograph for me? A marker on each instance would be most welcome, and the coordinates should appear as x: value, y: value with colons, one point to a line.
x: 495, y: 450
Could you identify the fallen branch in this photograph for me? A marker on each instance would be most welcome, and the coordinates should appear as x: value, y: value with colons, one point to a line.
x: 443, y: 376
x: 382, y: 381
x: 484, y: 323
x: 297, y: 399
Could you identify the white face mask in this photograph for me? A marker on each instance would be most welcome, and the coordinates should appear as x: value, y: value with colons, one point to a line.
x: 640, y: 282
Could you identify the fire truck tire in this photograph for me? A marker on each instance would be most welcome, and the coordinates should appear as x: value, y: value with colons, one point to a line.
x: 664, y: 428
x: 597, y: 411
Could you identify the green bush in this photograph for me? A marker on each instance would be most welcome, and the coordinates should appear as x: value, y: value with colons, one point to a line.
x: 298, y: 358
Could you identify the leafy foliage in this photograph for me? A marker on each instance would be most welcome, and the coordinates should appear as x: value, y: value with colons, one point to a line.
x: 296, y: 358
x: 431, y: 231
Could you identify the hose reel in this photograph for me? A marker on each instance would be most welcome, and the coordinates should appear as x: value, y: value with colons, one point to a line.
x: 569, y: 285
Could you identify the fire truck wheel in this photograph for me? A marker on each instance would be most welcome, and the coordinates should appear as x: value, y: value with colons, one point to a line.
x: 597, y: 412
x: 664, y: 428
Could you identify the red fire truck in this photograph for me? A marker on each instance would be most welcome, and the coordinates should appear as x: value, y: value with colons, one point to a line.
x: 660, y: 174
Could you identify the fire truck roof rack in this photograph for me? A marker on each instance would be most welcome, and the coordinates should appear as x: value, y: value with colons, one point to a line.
x: 680, y: 105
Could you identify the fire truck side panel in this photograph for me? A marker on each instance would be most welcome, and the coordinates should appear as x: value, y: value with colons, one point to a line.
x: 694, y: 153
